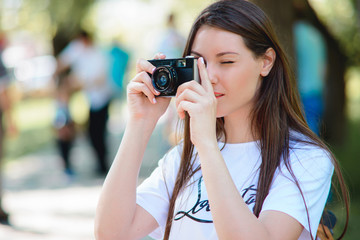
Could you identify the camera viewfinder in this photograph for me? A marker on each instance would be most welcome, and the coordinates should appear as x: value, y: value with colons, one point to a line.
x: 181, y: 63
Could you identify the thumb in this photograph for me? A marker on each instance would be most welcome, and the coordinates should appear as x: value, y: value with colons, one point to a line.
x: 205, y: 81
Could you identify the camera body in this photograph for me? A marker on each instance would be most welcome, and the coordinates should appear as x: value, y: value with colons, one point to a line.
x: 171, y: 73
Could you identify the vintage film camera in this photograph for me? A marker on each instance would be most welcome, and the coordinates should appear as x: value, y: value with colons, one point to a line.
x: 171, y: 73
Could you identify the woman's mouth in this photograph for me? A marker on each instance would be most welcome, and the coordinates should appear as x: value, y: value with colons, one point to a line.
x: 218, y: 95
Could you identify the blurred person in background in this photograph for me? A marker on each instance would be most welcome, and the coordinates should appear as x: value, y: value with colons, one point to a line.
x: 89, y: 71
x: 7, y: 124
x: 63, y: 122
x: 171, y: 43
x: 311, y: 66
x: 310, y: 48
x: 119, y: 61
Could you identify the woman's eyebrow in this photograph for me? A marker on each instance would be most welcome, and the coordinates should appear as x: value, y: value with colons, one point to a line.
x: 217, y: 55
x: 195, y: 53
x: 226, y: 53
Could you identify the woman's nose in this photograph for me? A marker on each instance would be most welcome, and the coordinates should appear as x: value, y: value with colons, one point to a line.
x: 212, y: 74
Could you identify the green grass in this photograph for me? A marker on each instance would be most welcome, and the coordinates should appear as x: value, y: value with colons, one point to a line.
x: 33, y: 118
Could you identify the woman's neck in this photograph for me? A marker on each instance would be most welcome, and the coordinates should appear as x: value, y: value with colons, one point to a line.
x: 238, y: 129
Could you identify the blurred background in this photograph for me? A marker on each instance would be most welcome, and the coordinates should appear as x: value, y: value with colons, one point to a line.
x: 50, y: 172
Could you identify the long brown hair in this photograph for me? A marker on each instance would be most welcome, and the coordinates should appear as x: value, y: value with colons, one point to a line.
x: 276, y: 111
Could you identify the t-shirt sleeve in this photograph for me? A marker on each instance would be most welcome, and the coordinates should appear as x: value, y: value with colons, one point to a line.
x: 313, y: 170
x: 71, y: 52
x: 153, y: 193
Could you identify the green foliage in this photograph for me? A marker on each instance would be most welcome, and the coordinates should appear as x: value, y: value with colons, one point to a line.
x: 353, y: 231
x: 342, y: 19
x: 66, y: 15
x: 348, y: 154
x: 45, y: 19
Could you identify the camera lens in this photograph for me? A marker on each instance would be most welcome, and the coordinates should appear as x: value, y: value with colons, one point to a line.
x: 163, y: 78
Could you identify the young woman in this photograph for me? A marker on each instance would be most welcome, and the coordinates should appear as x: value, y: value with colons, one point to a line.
x: 248, y: 166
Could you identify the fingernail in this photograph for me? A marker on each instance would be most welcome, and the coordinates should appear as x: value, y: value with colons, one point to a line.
x: 156, y: 92
x: 154, y: 100
x: 202, y: 60
x: 153, y: 70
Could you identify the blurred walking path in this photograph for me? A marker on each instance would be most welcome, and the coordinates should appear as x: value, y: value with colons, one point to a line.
x: 47, y: 204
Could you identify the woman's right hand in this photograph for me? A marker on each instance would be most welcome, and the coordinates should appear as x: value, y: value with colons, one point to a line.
x: 141, y: 94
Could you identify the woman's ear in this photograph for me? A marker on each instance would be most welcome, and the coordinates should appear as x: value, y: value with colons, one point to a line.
x: 268, y: 60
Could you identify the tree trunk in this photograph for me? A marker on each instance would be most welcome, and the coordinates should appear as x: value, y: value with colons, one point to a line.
x: 281, y: 13
x: 68, y: 25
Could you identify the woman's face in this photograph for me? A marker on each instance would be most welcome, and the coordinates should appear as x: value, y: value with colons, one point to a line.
x: 232, y: 68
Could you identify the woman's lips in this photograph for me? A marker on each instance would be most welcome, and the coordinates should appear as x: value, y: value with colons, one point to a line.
x: 218, y: 95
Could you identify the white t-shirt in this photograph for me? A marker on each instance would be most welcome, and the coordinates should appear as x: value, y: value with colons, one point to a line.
x: 192, y: 216
x: 89, y: 64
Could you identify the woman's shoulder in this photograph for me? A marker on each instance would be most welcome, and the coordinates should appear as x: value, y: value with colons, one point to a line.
x: 301, y: 144
x: 307, y: 154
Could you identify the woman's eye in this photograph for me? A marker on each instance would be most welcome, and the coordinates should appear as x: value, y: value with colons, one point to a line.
x: 227, y: 62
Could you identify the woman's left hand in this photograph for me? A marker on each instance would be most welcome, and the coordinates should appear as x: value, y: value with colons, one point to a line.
x: 199, y: 101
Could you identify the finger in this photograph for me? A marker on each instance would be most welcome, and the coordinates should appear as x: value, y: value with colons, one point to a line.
x: 205, y: 81
x: 137, y: 87
x: 188, y: 95
x: 192, y: 85
x: 160, y: 55
x: 143, y: 77
x: 184, y: 107
x: 144, y: 65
